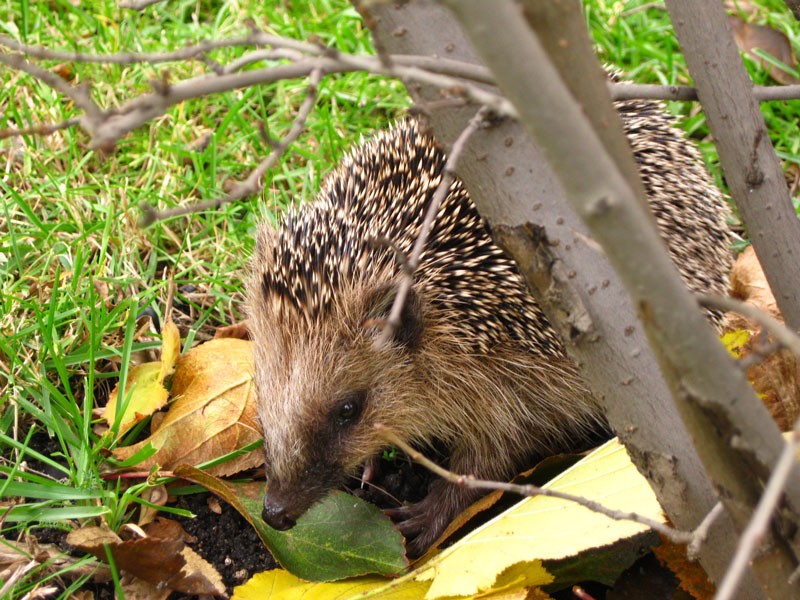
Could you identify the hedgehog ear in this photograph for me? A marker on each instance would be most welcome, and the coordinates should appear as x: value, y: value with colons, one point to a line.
x: 379, y: 305
x: 266, y: 237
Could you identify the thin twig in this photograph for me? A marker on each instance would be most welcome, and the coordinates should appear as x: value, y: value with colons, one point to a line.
x: 79, y: 95
x: 700, y: 533
x: 754, y: 533
x: 283, y: 48
x: 114, y: 124
x: 41, y: 129
x: 187, y: 52
x: 674, y: 535
x: 407, y: 274
x: 253, y: 183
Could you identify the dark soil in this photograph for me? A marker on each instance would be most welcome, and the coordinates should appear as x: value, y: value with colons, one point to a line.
x: 226, y: 540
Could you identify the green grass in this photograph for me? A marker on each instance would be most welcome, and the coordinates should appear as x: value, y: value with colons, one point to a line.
x: 76, y: 268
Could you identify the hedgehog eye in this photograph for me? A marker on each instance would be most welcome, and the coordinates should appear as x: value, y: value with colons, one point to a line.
x: 349, y: 409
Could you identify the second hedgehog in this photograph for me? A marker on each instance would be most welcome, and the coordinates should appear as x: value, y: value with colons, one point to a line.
x: 474, y: 365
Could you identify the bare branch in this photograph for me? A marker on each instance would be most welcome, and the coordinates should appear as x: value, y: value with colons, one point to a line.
x: 110, y: 126
x: 608, y: 354
x: 256, y: 38
x: 733, y: 433
x: 752, y: 170
x: 253, y: 183
x: 125, y: 58
x: 700, y: 534
x: 643, y: 91
x: 41, y: 129
x: 286, y: 48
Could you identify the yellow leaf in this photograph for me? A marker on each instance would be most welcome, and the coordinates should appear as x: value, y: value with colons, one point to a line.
x: 516, y: 543
x: 736, y: 341
x: 145, y: 384
x: 146, y: 394
x: 213, y: 413
x: 282, y: 584
x: 170, y: 348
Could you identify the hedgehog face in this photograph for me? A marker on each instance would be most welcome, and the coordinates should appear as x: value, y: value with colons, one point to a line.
x: 322, y: 386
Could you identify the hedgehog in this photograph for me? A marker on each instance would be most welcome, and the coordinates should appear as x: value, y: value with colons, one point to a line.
x: 474, y: 367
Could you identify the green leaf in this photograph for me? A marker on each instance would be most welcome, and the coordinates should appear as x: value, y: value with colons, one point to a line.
x: 340, y: 537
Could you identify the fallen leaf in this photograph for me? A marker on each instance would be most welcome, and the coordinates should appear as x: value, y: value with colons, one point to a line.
x: 749, y: 284
x: 152, y: 559
x: 693, y: 579
x: 155, y: 497
x: 165, y: 562
x: 736, y: 341
x: 281, y: 584
x: 340, y: 537
x: 144, y: 390
x: 776, y: 377
x: 751, y: 38
x: 214, y: 412
x: 170, y: 348
x: 139, y: 589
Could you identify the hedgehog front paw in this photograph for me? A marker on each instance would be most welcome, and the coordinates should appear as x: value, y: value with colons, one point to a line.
x: 421, y: 524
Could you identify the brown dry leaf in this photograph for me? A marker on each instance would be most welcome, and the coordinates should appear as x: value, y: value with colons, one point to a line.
x: 139, y: 589
x: 749, y: 284
x: 198, y: 575
x: 693, y: 580
x: 163, y: 561
x: 17, y: 559
x: 776, y: 378
x: 214, y: 412
x: 750, y: 37
x: 145, y: 384
x: 155, y: 496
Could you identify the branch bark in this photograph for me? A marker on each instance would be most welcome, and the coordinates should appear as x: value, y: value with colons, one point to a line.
x: 732, y: 431
x: 752, y: 169
x: 562, y: 32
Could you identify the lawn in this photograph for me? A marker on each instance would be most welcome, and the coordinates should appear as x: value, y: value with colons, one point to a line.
x: 82, y: 279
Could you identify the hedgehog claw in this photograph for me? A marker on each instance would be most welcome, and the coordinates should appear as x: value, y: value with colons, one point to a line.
x: 422, y: 523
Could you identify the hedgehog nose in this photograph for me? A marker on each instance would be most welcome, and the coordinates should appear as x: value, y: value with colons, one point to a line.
x: 277, y: 517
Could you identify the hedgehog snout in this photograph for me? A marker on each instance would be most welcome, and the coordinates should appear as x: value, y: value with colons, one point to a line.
x: 276, y: 515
